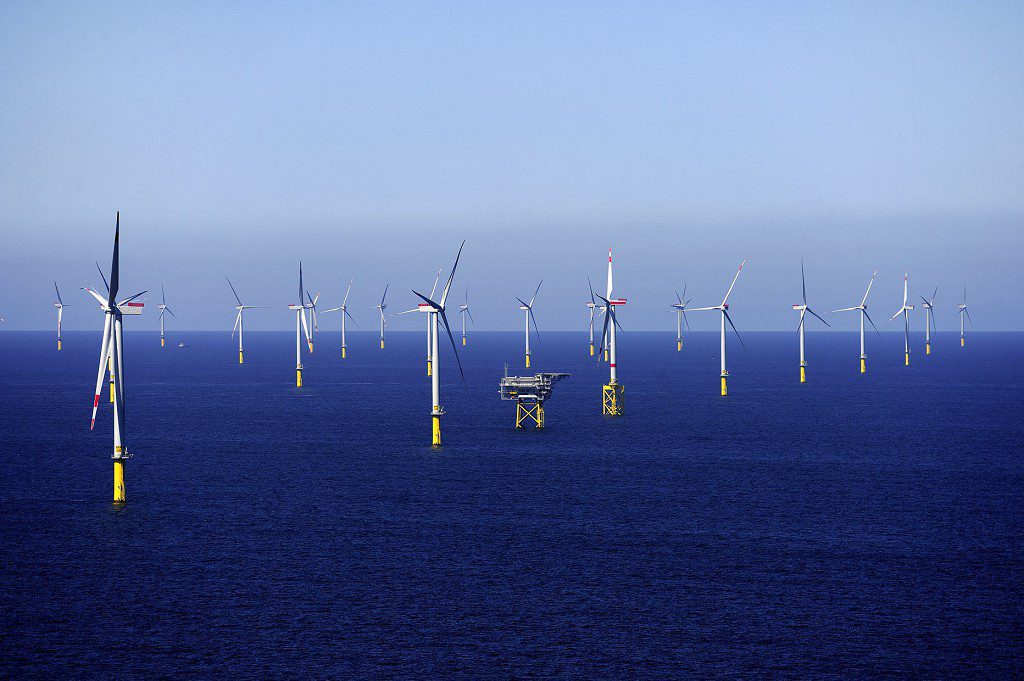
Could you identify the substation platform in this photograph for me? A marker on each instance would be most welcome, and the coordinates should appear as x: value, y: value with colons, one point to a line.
x: 529, y: 393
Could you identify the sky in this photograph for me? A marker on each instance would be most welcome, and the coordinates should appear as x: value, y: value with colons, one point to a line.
x: 370, y: 139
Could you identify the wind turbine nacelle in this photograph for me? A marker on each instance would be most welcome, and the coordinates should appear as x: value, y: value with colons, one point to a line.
x: 798, y: 307
x: 617, y: 301
x: 296, y: 307
x: 961, y: 306
x: 725, y: 306
x: 423, y: 307
x: 131, y: 308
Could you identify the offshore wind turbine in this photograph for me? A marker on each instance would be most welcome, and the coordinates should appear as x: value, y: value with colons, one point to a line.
x: 60, y: 305
x: 962, y: 309
x: 239, y: 323
x: 434, y: 311
x: 300, y: 325
x: 163, y: 308
x: 594, y: 308
x: 528, y: 309
x: 863, y: 310
x: 724, y: 309
x: 463, y: 312
x: 929, y: 321
x: 112, y: 350
x: 314, y: 322
x: 905, y: 311
x: 429, y: 329
x: 612, y: 400
x: 343, y: 308
x: 380, y: 308
x: 804, y: 309
x: 680, y: 307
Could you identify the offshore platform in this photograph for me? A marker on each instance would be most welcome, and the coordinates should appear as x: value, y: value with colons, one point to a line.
x: 529, y: 393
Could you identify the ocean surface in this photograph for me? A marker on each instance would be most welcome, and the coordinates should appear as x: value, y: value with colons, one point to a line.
x: 854, y: 525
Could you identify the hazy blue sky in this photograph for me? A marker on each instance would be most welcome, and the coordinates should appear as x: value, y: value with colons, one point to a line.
x: 370, y: 138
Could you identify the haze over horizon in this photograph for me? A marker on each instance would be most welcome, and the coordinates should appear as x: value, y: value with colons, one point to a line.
x: 370, y: 140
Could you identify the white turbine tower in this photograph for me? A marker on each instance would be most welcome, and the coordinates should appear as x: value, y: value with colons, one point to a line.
x: 724, y: 309
x: 905, y: 311
x: 163, y: 309
x: 612, y: 400
x: 239, y: 323
x: 343, y: 308
x: 863, y: 310
x: 435, y: 310
x: 804, y: 308
x: 929, y: 321
x: 528, y: 309
x: 680, y: 307
x: 300, y: 325
x: 112, y: 352
x: 464, y: 312
x: 380, y: 308
x: 962, y: 309
x: 60, y: 305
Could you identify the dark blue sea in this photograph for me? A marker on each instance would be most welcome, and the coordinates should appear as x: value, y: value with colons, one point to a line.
x: 852, y: 526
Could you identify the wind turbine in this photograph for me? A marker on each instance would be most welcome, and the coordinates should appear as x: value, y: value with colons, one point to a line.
x: 804, y: 309
x: 929, y: 321
x: 343, y: 308
x: 163, y: 308
x: 594, y: 309
x: 680, y: 307
x: 528, y: 308
x: 112, y: 350
x: 905, y: 311
x: 612, y: 401
x: 238, y: 318
x: 724, y: 309
x: 380, y: 308
x: 314, y: 323
x: 300, y: 325
x: 463, y: 312
x: 863, y: 309
x: 60, y: 305
x: 429, y: 329
x: 435, y: 310
x: 962, y: 308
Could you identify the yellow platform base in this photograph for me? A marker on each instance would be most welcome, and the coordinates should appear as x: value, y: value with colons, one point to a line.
x: 240, y: 358
x: 429, y: 370
x: 527, y: 361
x: 679, y: 346
x: 436, y: 430
x: 463, y: 341
x: 961, y: 341
x: 803, y: 374
x: 863, y: 365
x: 161, y: 341
x: 298, y: 378
x: 591, y: 349
x: 725, y: 387
x: 528, y: 413
x: 612, y: 399
x: 906, y: 359
x: 58, y: 344
x: 343, y: 352
x: 381, y: 343
x: 119, y: 481
x: 927, y: 348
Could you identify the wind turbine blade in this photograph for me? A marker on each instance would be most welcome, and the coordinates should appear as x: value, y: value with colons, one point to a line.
x: 233, y: 289
x: 352, y: 318
x: 104, y: 278
x: 522, y: 302
x: 115, y: 276
x: 843, y: 309
x: 444, y: 323
x: 819, y: 317
x: 451, y: 276
x: 163, y: 296
x: 702, y: 309
x: 300, y: 283
x: 604, y: 335
x: 344, y: 300
x: 535, y: 294
x: 591, y: 286
x: 733, y: 284
x: 803, y: 281
x: 738, y: 336
x: 934, y: 293
x: 131, y: 298
x: 100, y: 299
x: 615, y: 321
x: 679, y: 301
x: 968, y: 316
x: 305, y: 326
x: 437, y: 278
x: 865, y: 298
x: 385, y: 294
x: 104, y: 353
x: 428, y: 301
x: 801, y: 322
x: 170, y: 312
x: 905, y: 275
x: 873, y: 325
x: 470, y: 316
x: 536, y: 329
x: 58, y: 293
x: 686, y: 321
x: 238, y: 318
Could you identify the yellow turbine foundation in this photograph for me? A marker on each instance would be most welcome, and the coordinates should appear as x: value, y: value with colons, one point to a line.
x: 310, y: 344
x: 381, y: 343
x: 298, y: 378
x: 343, y: 352
x: 118, y: 481
x: 239, y: 356
x: 863, y: 365
x: 961, y: 341
x: 679, y: 346
x: 906, y: 359
x: 927, y: 348
x: 803, y: 374
x: 591, y: 349
x: 463, y: 340
x: 161, y: 341
x: 527, y: 360
x: 529, y: 412
x: 612, y: 400
x: 606, y: 354
x: 58, y: 344
x: 725, y: 388
x: 435, y: 428
x: 429, y: 370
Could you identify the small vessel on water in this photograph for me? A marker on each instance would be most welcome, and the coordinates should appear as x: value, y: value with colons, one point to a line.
x: 181, y: 344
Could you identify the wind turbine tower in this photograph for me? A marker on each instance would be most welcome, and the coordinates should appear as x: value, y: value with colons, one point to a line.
x: 905, y: 311
x: 163, y: 309
x: 962, y: 309
x: 239, y: 322
x: 60, y: 305
x: 724, y: 309
x: 528, y: 309
x: 863, y: 310
x: 929, y: 321
x: 343, y: 308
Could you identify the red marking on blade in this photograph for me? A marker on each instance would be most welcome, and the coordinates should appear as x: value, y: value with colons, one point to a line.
x: 92, y: 423
x: 96, y: 401
x: 613, y: 366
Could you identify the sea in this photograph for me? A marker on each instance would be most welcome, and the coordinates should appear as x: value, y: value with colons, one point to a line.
x: 852, y: 526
